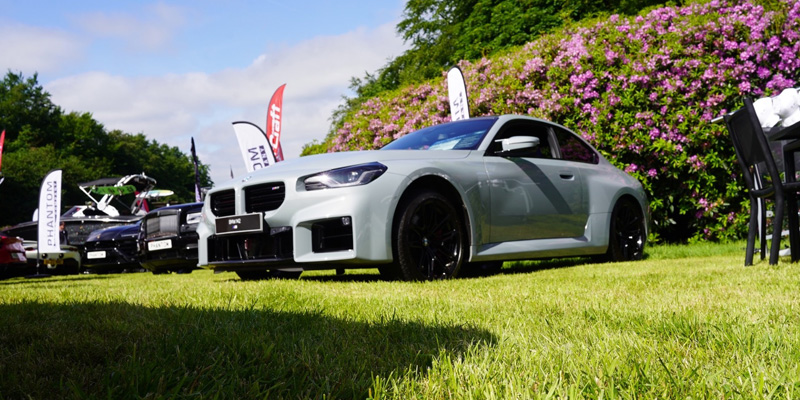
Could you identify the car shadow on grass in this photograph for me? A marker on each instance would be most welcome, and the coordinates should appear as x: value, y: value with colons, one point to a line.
x: 121, y: 350
x: 524, y: 267
x: 509, y: 268
x: 23, y: 280
x: 350, y: 277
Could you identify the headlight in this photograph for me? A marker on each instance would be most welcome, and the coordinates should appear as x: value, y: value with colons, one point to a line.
x: 193, y: 218
x: 345, y: 177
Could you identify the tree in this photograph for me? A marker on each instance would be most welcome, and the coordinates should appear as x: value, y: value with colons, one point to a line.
x: 444, y: 32
x: 26, y: 108
x: 40, y: 138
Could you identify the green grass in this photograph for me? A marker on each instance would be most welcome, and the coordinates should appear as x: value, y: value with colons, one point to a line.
x: 687, y: 322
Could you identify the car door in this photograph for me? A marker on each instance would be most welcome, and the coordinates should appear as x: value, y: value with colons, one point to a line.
x: 533, y: 193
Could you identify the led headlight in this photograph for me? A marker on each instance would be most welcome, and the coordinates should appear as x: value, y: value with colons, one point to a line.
x: 355, y: 175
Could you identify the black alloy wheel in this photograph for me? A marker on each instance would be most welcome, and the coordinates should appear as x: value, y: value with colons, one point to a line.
x: 430, y: 239
x: 627, y: 233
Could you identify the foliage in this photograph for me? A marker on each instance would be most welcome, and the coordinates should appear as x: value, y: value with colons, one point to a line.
x: 642, y: 89
x: 40, y: 137
x: 687, y: 322
x: 443, y: 32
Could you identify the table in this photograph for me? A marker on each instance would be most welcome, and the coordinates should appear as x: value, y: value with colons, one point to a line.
x: 792, y: 134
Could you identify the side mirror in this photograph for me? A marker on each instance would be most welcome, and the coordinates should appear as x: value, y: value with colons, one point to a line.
x: 515, y: 143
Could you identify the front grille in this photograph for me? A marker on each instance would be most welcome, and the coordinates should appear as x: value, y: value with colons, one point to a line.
x: 127, y: 248
x: 161, y: 226
x: 223, y: 203
x: 250, y: 247
x: 264, y: 197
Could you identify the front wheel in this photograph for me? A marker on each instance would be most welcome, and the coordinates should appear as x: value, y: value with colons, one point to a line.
x: 430, y: 239
x: 627, y: 232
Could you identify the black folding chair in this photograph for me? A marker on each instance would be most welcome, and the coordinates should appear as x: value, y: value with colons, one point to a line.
x: 763, y: 182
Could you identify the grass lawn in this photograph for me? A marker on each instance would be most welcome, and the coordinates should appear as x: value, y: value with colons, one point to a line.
x: 687, y: 322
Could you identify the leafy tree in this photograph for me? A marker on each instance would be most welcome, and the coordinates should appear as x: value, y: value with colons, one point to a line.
x: 444, y: 32
x: 40, y: 138
x: 25, y: 108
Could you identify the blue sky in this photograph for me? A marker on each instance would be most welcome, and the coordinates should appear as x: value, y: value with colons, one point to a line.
x: 173, y: 70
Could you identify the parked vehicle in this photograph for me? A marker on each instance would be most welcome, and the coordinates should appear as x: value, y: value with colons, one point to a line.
x: 12, y: 256
x: 432, y: 203
x: 66, y: 261
x: 168, y: 238
x: 112, y: 202
x: 112, y: 250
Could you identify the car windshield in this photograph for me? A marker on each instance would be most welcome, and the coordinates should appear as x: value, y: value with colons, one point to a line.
x: 465, y: 134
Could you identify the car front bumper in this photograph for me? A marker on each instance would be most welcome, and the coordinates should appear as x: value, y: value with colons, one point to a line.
x: 310, y: 230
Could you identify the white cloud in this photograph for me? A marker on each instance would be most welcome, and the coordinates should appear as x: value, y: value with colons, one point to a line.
x: 173, y: 108
x: 152, y: 31
x: 24, y: 48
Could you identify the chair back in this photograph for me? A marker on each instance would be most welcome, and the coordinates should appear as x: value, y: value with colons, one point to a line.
x: 752, y: 149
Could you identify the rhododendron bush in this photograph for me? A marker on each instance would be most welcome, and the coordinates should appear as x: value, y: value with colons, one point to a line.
x: 643, y: 90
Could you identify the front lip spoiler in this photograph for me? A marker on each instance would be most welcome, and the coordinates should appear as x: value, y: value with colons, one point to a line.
x: 245, y: 265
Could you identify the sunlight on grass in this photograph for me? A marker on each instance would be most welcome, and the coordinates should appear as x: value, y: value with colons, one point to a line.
x: 686, y: 322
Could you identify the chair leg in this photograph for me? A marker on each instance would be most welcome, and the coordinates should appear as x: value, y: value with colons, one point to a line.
x: 777, y: 223
x: 794, y: 234
x: 762, y: 208
x: 751, y: 232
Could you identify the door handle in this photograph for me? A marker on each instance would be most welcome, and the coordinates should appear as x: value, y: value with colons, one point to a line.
x: 567, y: 177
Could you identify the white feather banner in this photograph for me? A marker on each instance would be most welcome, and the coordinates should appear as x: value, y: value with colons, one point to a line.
x: 49, y: 213
x: 256, y: 150
x: 457, y: 91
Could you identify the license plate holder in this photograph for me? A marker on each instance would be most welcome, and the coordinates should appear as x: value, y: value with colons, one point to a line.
x: 245, y: 223
x: 159, y: 245
x: 53, y: 261
x: 93, y: 255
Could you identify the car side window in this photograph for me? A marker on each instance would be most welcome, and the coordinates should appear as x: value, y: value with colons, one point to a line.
x: 574, y: 149
x: 523, y: 128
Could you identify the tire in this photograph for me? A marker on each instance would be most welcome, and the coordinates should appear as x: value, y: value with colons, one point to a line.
x: 267, y: 274
x: 626, y: 238
x: 429, y: 239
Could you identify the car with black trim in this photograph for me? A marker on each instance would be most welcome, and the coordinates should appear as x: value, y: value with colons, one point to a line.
x: 433, y: 204
x: 168, y: 238
x: 112, y: 249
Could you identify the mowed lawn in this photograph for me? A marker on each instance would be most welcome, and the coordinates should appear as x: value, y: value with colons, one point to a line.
x: 687, y: 322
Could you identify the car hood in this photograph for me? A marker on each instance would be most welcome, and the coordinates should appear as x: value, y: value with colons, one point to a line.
x: 328, y: 161
x: 123, y: 232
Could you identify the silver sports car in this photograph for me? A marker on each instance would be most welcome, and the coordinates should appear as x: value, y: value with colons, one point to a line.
x: 433, y: 204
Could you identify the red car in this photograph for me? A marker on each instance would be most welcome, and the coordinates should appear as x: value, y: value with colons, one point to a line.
x: 12, y: 255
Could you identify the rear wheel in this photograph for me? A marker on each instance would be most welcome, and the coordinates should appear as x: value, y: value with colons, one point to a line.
x: 430, y: 239
x: 627, y: 232
x: 268, y: 274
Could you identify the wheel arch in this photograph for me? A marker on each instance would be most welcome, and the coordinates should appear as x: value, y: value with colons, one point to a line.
x: 440, y: 185
x: 642, y: 207
x: 639, y: 201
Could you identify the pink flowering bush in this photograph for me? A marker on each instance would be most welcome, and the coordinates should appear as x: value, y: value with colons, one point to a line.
x: 643, y: 90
